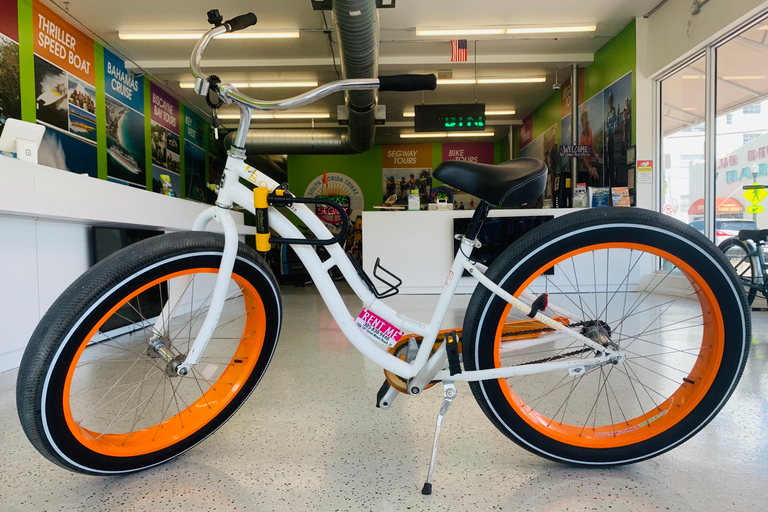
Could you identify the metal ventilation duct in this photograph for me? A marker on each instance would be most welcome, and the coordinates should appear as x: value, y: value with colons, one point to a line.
x: 357, y: 32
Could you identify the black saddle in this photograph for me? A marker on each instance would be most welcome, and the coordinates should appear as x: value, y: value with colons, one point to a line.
x: 512, y: 183
x: 756, y: 235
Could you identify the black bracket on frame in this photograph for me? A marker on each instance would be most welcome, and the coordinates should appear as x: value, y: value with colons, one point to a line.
x: 389, y: 292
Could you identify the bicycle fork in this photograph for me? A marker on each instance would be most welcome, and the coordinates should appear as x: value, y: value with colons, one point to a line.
x: 221, y: 215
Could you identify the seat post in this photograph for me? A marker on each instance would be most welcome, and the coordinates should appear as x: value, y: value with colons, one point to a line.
x: 481, y: 213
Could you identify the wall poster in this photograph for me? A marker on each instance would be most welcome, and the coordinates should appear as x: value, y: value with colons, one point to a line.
x: 65, y: 93
x: 405, y: 168
x: 10, y: 89
x: 544, y: 148
x: 165, y: 140
x: 125, y: 123
x: 605, y: 124
x: 478, y: 152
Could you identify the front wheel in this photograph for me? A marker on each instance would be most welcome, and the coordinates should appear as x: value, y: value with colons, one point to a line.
x: 97, y: 392
x: 738, y: 255
x: 636, y: 282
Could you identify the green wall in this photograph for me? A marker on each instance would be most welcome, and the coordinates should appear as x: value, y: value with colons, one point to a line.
x: 365, y: 168
x: 614, y: 60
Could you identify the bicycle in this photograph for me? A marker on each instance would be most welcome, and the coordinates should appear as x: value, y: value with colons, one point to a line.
x: 745, y: 253
x: 603, y: 337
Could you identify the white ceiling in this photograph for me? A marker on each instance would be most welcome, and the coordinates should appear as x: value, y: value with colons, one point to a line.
x: 400, y: 50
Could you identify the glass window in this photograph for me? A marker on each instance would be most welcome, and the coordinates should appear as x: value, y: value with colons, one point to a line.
x: 682, y: 168
x: 741, y: 146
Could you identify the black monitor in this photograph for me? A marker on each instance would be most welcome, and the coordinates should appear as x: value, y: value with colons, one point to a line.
x: 497, y: 234
x: 106, y: 241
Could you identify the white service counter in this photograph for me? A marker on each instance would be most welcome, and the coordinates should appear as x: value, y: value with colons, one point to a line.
x: 45, y: 216
x: 418, y: 246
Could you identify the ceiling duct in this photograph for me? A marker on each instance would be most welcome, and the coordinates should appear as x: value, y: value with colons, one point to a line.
x: 357, y: 33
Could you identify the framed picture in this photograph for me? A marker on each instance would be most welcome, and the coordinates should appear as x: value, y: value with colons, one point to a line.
x: 631, y: 155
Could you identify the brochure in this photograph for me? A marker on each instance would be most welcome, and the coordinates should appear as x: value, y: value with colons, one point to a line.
x: 620, y: 196
x: 599, y: 196
x: 580, y: 195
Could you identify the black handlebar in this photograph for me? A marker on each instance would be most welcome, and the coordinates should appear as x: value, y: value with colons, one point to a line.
x: 408, y: 83
x: 240, y: 22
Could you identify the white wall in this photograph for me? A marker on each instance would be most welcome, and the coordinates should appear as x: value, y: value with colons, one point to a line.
x: 45, y: 219
x: 673, y: 32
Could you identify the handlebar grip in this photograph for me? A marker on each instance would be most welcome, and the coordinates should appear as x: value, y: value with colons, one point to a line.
x: 240, y: 22
x: 408, y: 83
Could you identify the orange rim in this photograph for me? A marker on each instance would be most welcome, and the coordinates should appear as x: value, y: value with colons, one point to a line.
x: 193, y: 416
x: 661, y: 418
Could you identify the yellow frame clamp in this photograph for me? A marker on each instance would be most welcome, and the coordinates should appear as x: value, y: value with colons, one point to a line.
x: 262, y: 218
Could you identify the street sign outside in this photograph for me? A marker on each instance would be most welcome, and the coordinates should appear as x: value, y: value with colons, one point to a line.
x: 754, y: 195
x: 754, y: 209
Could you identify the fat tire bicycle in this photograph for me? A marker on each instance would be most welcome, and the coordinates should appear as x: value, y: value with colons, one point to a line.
x: 603, y: 337
x: 746, y: 253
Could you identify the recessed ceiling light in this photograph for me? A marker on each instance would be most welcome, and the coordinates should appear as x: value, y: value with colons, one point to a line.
x: 591, y: 27
x: 461, y: 32
x: 689, y: 109
x: 164, y: 35
x: 432, y: 135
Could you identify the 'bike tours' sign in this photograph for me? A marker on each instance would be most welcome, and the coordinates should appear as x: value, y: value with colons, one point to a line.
x: 477, y: 152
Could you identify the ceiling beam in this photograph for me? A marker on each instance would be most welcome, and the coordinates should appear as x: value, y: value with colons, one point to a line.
x: 562, y: 59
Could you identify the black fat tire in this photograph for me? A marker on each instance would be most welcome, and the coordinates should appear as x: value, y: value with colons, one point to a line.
x: 748, y: 275
x: 582, y: 229
x: 45, y: 357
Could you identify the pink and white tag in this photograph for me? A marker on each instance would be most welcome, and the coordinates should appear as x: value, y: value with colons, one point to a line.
x: 378, y: 328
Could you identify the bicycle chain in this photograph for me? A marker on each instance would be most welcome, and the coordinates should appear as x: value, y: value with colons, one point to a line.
x: 553, y: 358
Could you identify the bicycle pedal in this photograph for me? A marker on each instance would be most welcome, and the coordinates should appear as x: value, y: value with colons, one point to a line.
x: 452, y: 349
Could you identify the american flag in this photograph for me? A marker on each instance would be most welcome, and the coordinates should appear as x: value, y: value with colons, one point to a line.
x: 458, y: 50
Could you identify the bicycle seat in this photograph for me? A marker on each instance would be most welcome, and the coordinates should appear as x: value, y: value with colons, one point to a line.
x: 756, y: 235
x: 512, y: 183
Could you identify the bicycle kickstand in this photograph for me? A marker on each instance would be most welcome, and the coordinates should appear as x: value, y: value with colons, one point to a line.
x: 449, y: 393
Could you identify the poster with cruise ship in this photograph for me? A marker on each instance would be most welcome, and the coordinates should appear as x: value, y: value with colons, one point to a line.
x: 126, y: 162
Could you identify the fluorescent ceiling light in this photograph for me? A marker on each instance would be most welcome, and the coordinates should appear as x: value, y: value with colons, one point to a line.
x: 295, y: 115
x: 461, y: 32
x: 465, y: 81
x: 456, y: 81
x: 487, y: 112
x: 591, y: 27
x: 689, y: 109
x: 431, y: 135
x: 261, y: 84
x: 745, y: 77
x: 164, y: 35
x: 528, y: 80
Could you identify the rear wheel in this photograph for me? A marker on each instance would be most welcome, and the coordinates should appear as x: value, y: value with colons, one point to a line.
x: 738, y: 255
x: 631, y: 280
x: 97, y: 391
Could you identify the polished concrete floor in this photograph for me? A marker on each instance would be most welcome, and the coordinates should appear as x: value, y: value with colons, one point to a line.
x: 310, y: 438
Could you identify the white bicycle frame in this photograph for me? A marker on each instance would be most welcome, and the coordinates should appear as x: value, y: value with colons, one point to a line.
x: 423, y: 368
x: 430, y: 368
